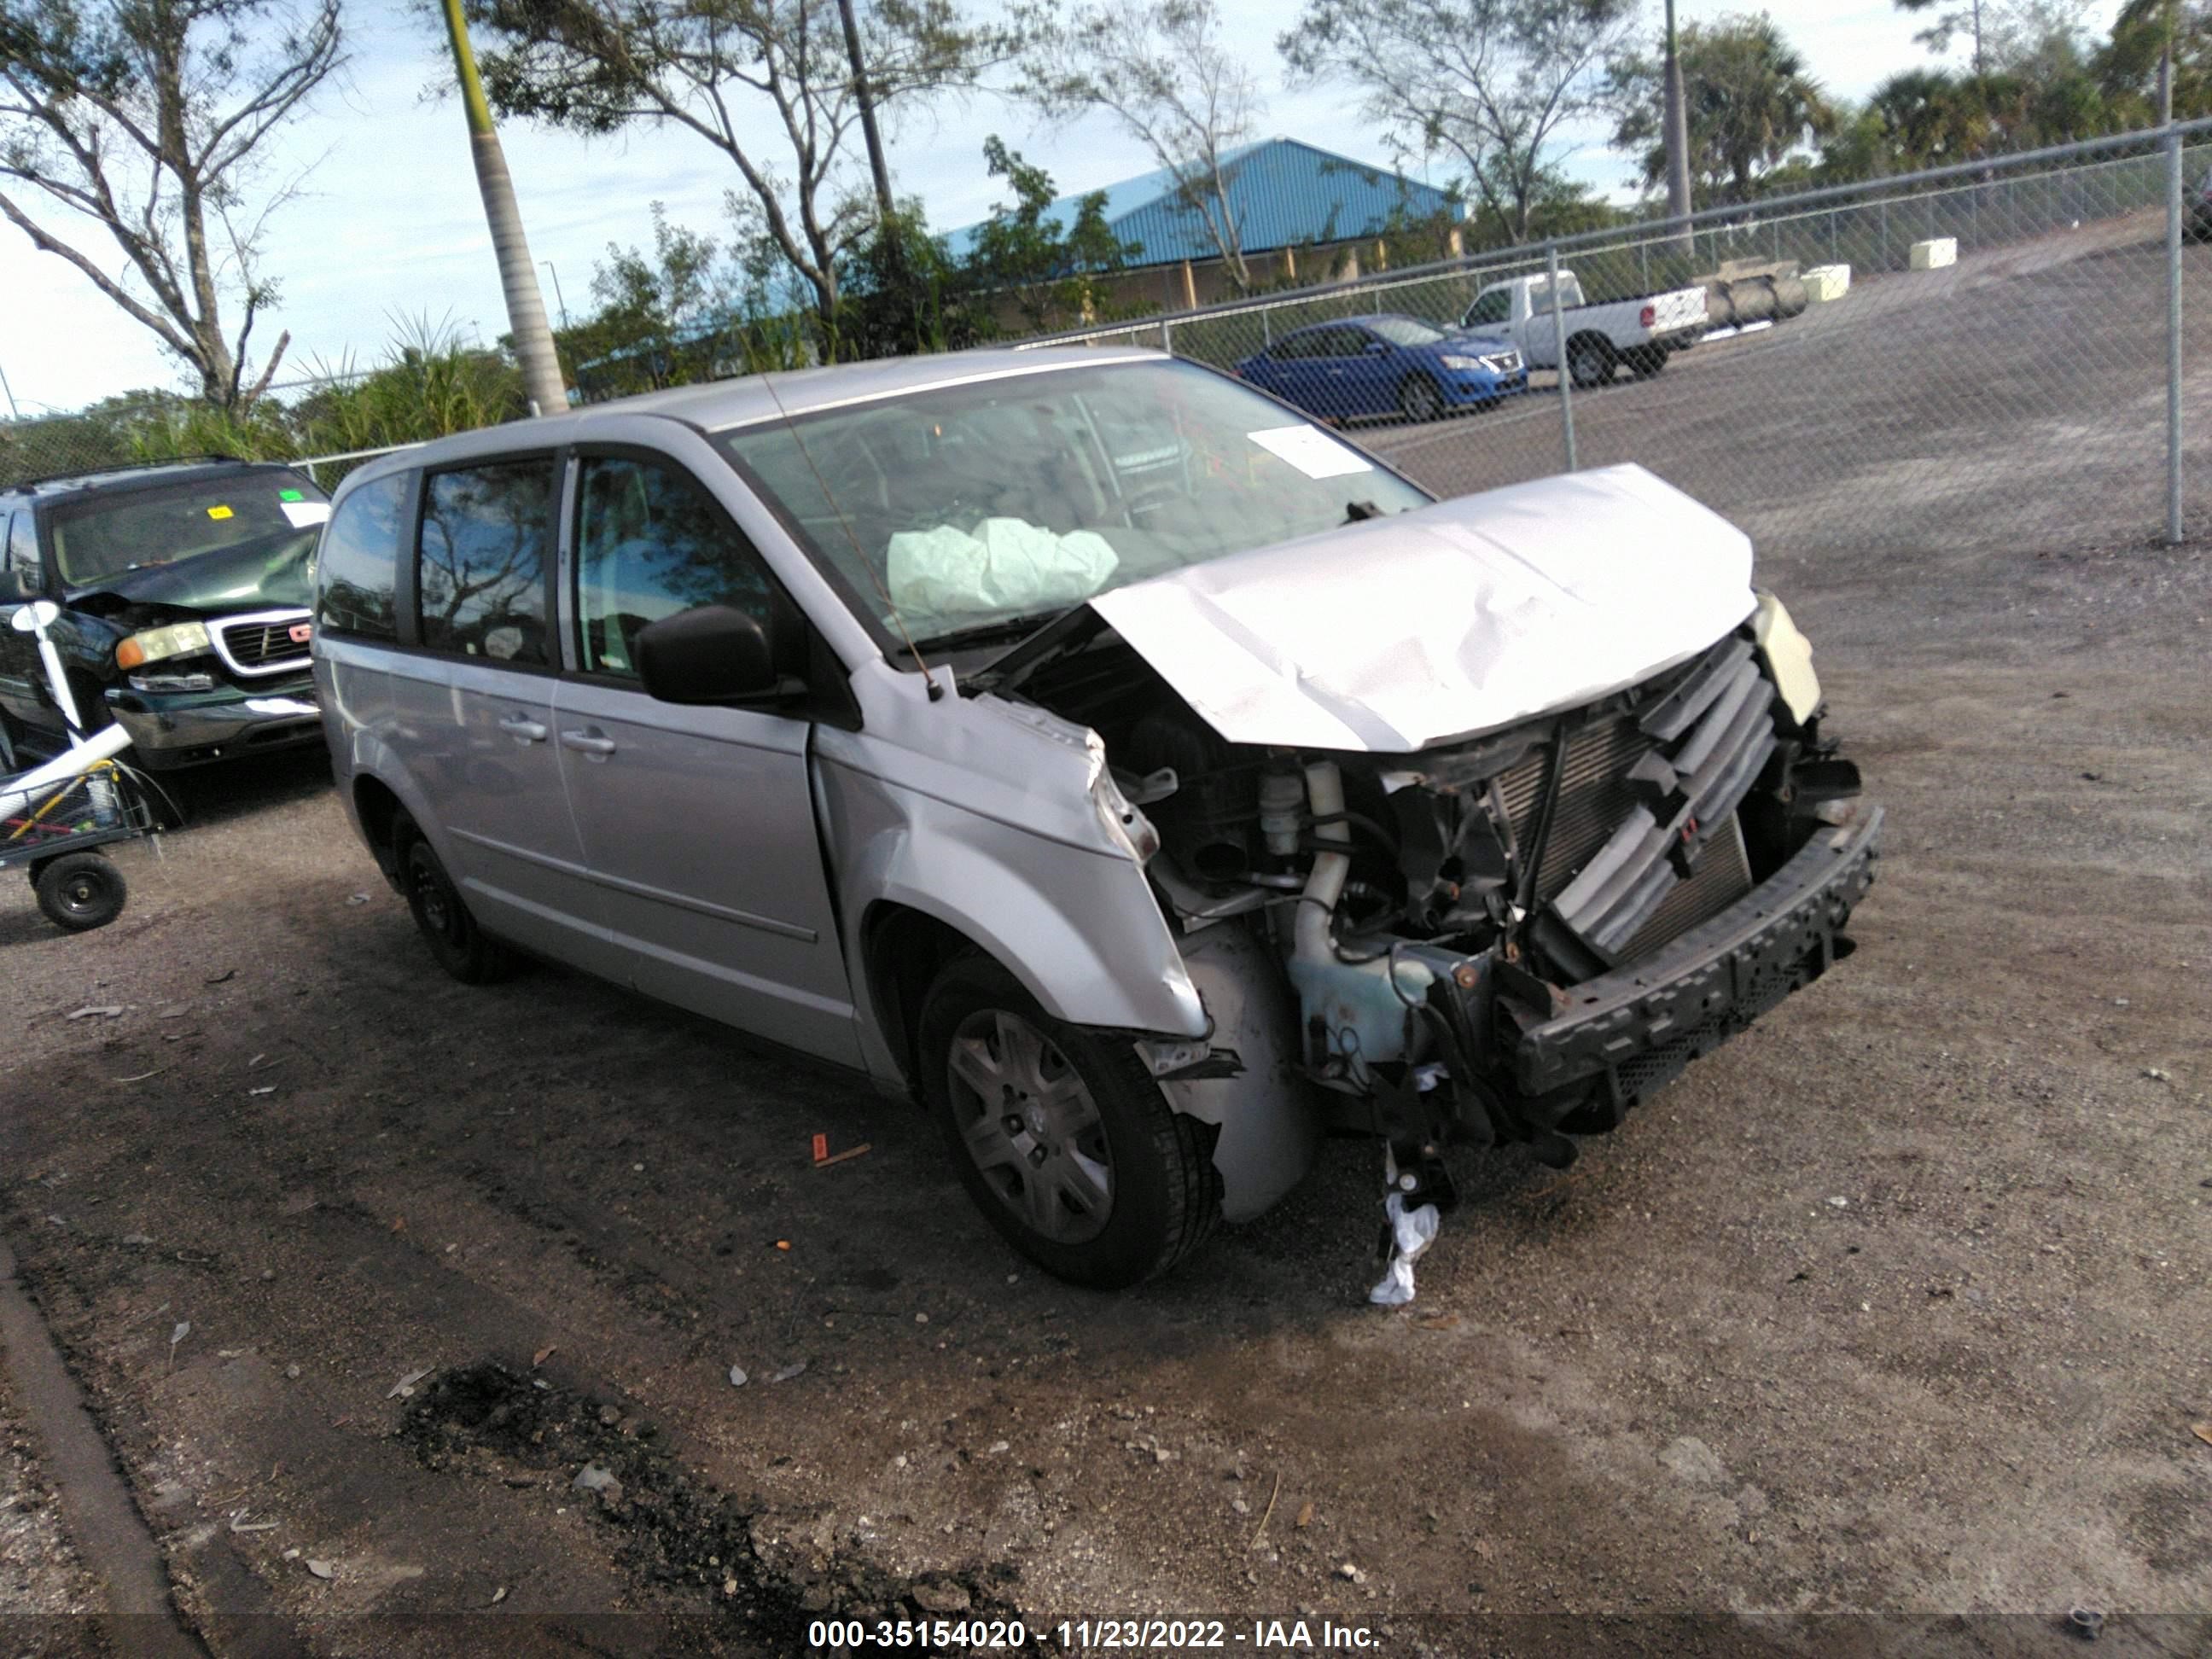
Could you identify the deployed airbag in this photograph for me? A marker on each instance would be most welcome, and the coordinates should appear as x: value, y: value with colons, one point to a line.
x: 1009, y: 567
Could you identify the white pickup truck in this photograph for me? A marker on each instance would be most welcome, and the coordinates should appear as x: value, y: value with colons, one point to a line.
x: 1637, y: 332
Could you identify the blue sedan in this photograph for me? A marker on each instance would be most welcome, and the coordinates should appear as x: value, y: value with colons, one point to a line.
x: 1386, y: 365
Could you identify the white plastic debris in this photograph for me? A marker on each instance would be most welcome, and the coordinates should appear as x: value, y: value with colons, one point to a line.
x: 1412, y: 1231
x: 737, y: 1376
x: 1008, y: 567
x: 321, y: 1568
x: 107, y: 1010
x: 405, y: 1386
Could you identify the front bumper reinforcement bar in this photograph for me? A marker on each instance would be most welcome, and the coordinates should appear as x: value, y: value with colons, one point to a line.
x: 1716, y: 976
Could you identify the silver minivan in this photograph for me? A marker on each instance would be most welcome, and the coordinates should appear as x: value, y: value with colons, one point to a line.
x: 1148, y: 781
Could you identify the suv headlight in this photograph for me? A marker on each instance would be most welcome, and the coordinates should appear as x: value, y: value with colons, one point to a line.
x: 1453, y: 361
x: 178, y: 640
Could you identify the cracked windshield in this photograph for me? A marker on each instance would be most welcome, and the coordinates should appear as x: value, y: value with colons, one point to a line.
x: 980, y: 512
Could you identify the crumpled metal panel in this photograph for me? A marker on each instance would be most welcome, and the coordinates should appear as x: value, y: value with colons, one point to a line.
x: 1398, y: 634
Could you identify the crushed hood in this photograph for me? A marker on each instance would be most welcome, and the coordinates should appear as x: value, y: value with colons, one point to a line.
x: 1400, y: 633
x: 259, y: 575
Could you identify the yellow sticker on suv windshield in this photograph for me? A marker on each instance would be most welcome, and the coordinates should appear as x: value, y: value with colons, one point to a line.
x: 218, y: 513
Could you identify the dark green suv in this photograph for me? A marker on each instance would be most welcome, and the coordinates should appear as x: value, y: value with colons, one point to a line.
x: 184, y: 589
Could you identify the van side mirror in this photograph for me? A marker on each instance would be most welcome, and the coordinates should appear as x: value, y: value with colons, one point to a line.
x: 19, y: 585
x: 711, y: 653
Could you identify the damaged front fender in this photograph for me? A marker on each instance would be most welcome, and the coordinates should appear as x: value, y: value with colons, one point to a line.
x: 1022, y: 868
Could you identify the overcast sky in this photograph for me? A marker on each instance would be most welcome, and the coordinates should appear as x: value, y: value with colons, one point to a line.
x: 391, y: 227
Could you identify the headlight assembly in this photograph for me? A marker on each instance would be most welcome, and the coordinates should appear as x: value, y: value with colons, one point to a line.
x: 178, y: 640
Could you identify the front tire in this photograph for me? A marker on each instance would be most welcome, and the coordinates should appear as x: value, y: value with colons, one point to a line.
x: 1062, y: 1138
x: 463, y: 949
x: 1419, y: 400
x: 80, y: 891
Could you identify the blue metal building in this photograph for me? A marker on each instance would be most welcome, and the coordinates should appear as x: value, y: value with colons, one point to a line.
x: 1283, y: 193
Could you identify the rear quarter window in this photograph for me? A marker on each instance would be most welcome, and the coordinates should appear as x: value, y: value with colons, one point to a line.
x: 357, y: 563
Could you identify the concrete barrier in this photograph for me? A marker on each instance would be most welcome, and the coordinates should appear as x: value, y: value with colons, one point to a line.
x: 1935, y: 254
x: 1826, y: 282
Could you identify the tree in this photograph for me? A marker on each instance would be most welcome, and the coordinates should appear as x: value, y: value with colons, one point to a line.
x: 518, y: 274
x: 149, y: 121
x: 726, y: 71
x: 2001, y: 34
x: 1492, y: 82
x: 1750, y: 104
x: 1161, y: 69
x: 2132, y: 67
x: 1046, y: 267
x: 658, y: 316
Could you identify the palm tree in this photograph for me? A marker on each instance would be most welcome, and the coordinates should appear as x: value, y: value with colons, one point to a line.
x: 518, y: 276
x: 1747, y: 102
x: 1751, y: 99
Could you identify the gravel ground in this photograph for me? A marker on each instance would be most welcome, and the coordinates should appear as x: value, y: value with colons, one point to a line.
x: 1898, y: 1304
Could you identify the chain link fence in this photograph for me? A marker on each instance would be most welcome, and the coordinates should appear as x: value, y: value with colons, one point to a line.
x: 1978, y: 355
x: 1931, y: 359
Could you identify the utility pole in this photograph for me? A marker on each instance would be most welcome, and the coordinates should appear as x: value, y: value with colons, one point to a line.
x: 526, y: 307
x: 2165, y: 70
x: 1678, y: 144
x: 867, y: 100
x: 559, y: 298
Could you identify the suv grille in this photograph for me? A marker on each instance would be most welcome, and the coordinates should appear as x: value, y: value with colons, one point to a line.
x: 261, y: 643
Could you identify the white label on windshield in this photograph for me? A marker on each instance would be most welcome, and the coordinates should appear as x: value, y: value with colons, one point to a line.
x: 301, y: 515
x: 1312, y: 451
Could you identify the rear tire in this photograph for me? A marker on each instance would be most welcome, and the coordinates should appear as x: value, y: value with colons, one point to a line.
x: 1062, y: 1137
x: 1590, y: 361
x: 80, y: 891
x: 463, y: 949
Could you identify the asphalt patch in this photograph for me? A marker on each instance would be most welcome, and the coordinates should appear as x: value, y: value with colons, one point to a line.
x: 488, y: 1421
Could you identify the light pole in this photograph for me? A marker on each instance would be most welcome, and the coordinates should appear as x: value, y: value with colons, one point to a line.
x: 14, y: 413
x: 1676, y: 114
x: 557, y: 300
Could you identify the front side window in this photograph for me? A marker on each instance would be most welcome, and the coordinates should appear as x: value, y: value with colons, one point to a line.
x: 965, y: 508
x: 1493, y: 307
x: 105, y: 533
x: 486, y: 534
x: 650, y: 542
x: 358, y: 563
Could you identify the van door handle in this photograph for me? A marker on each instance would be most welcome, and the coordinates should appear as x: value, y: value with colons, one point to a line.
x: 590, y: 741
x: 523, y: 729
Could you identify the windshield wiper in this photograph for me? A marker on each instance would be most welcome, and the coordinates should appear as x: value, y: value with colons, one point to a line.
x: 1358, y: 511
x: 996, y: 629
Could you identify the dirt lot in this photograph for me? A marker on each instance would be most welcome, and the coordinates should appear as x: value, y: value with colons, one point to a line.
x: 1900, y: 1303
